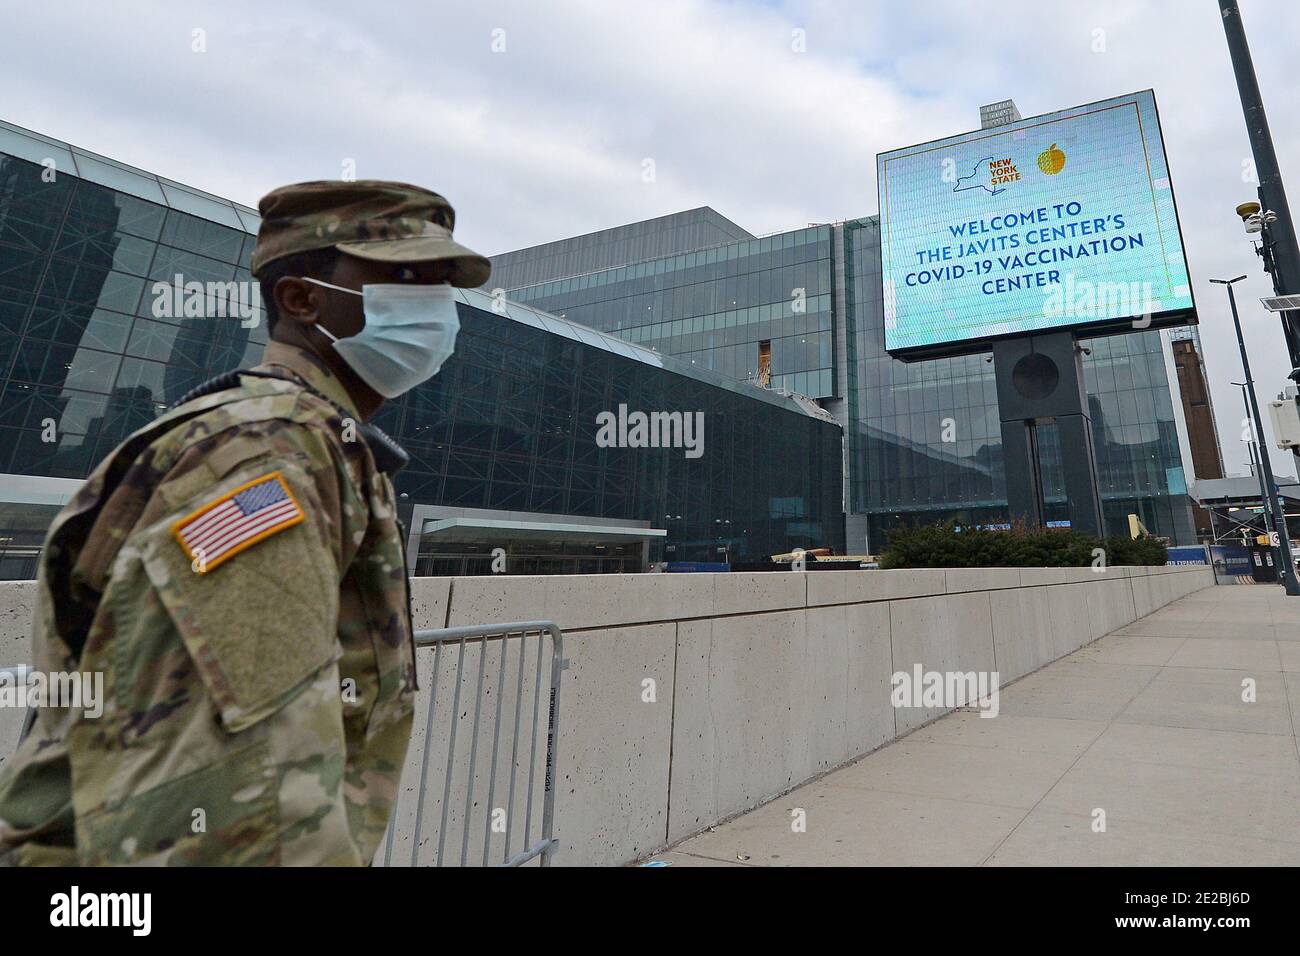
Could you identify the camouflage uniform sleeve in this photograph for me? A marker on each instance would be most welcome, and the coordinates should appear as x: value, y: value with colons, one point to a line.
x: 223, y: 739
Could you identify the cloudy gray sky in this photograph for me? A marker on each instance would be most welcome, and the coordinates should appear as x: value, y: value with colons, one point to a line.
x: 546, y: 138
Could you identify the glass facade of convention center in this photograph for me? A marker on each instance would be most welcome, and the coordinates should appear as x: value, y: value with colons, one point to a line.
x: 923, y: 438
x: 508, y: 428
x: 735, y: 308
x: 510, y: 424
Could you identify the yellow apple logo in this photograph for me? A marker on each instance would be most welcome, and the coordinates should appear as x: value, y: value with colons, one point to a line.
x: 1051, y: 160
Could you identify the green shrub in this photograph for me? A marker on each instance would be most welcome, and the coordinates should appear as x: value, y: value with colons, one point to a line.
x: 943, y: 546
x: 1120, y: 550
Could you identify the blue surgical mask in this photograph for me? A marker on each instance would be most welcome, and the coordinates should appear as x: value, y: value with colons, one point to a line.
x: 410, y: 332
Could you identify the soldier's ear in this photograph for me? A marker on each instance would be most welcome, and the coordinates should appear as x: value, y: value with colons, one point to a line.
x: 297, y: 300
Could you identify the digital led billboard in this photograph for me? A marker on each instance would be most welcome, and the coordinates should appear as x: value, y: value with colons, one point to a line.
x: 1065, y: 220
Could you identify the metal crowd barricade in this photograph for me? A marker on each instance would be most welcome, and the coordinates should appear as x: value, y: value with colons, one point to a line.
x: 15, y: 676
x: 484, y: 636
x: 458, y: 640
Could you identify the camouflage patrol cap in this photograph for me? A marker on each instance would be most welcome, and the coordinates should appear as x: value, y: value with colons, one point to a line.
x: 367, y: 218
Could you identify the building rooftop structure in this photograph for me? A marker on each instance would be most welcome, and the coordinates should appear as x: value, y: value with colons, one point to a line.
x: 94, y: 168
x: 684, y: 231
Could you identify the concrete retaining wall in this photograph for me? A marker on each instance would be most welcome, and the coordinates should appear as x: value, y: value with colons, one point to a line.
x: 761, y: 680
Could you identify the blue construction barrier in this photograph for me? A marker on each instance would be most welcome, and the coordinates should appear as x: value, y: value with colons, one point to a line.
x: 1230, y: 559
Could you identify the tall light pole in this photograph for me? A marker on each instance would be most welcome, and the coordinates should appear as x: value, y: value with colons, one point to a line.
x: 1279, y: 248
x: 1251, y: 446
x: 1287, y: 568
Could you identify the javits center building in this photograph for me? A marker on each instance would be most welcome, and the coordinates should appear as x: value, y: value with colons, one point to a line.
x: 503, y: 442
x: 802, y: 312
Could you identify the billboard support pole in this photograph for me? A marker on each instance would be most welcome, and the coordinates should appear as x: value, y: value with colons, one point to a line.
x: 1023, y: 474
x: 1040, y: 380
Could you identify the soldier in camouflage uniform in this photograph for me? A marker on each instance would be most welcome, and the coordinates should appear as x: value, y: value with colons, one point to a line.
x: 258, y: 686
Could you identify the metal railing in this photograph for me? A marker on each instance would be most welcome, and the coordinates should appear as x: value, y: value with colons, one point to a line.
x: 498, y: 824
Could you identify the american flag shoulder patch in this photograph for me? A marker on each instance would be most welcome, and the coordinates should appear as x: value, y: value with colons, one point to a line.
x: 237, y: 520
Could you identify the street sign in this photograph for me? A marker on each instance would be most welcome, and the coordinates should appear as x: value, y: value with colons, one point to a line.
x: 1274, y: 539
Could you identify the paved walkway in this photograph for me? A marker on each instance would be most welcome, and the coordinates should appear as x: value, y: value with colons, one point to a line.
x: 1147, y: 724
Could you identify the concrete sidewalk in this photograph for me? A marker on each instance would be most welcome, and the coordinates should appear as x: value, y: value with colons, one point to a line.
x: 1147, y: 724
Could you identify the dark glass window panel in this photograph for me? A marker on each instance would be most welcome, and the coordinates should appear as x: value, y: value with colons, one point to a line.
x: 92, y: 370
x: 32, y: 237
x: 417, y: 485
x: 31, y: 406
x: 20, y: 269
x: 466, y: 492
x: 8, y: 352
x: 14, y: 307
x: 550, y: 474
x: 480, y: 382
x: 516, y: 441
x: 462, y: 464
x: 507, y: 497
x: 82, y: 413
x: 475, y: 409
x: 428, y: 429
x: 105, y: 247
x: 190, y: 266
x: 154, y: 381
x: 198, y: 235
x: 471, y: 435
x: 127, y: 409
x: 90, y: 284
x: 31, y: 206
x: 546, y: 499
x: 24, y: 452
x: 509, y: 471
x: 479, y: 351
x: 186, y: 345
x: 430, y: 459
x: 257, y: 331
x: 615, y: 506
x: 584, y: 479
x: 252, y: 357
x: 78, y: 325
x: 391, y: 415
x: 101, y: 206
x: 45, y: 363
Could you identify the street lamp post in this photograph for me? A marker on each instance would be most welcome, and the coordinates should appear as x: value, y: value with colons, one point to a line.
x: 1287, y: 569
x: 1252, y: 446
x: 1280, y: 249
